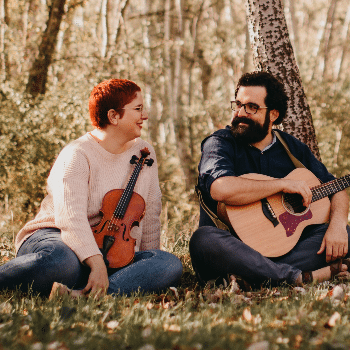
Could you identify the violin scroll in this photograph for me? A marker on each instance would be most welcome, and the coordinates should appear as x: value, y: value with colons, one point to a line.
x: 144, y: 153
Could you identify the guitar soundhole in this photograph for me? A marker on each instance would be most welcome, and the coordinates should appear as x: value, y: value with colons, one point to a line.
x: 293, y: 203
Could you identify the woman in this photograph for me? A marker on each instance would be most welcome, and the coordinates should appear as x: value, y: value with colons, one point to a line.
x: 58, y: 245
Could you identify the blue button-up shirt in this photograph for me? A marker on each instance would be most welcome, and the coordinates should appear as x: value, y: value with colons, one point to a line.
x: 222, y: 156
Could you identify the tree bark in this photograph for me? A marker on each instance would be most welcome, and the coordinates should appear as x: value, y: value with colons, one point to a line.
x: 39, y: 71
x: 294, y: 27
x: 273, y: 52
x: 104, y: 27
x: 327, y: 39
x: 345, y: 47
x: 123, y: 5
x: 4, y: 22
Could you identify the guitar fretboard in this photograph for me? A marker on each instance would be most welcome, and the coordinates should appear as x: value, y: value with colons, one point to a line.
x: 331, y: 187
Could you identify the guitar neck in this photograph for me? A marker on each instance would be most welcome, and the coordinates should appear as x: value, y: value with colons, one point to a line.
x: 331, y: 187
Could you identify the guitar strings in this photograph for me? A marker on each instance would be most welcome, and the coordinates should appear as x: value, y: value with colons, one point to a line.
x: 321, y: 191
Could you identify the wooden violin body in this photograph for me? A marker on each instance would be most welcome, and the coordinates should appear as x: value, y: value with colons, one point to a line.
x: 122, y: 251
x: 121, y: 210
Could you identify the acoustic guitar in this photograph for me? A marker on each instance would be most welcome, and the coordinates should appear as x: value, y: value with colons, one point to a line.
x: 273, y: 225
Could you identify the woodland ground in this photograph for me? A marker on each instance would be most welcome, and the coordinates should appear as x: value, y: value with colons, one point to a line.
x: 185, y: 318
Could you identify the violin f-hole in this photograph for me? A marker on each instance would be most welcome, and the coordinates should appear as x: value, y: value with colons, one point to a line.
x: 124, y: 233
x: 102, y: 228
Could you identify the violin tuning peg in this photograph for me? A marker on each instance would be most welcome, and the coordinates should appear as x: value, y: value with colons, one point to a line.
x: 150, y: 162
x: 133, y: 159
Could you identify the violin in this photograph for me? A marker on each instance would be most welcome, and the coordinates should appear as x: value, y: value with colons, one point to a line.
x: 121, y: 210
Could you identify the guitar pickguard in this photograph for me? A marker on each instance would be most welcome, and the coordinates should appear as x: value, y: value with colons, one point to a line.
x: 290, y: 222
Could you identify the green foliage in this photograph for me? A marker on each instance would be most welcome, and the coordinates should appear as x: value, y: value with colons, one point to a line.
x: 32, y: 133
x: 329, y: 104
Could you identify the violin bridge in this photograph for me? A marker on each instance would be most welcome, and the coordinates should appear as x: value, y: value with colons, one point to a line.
x: 113, y: 227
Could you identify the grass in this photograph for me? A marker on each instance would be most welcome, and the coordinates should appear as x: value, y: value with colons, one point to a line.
x: 186, y: 318
x: 192, y: 318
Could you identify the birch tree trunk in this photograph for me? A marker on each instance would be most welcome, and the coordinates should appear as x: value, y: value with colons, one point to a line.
x: 25, y: 20
x: 273, y: 52
x: 3, y: 26
x: 294, y: 26
x: 123, y: 5
x: 322, y: 54
x: 345, y: 35
x: 104, y: 28
x: 38, y: 73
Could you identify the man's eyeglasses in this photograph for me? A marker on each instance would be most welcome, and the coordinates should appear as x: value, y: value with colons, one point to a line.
x: 250, y: 107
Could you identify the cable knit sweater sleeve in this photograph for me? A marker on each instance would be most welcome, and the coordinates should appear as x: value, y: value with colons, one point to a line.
x: 68, y: 182
x: 151, y: 222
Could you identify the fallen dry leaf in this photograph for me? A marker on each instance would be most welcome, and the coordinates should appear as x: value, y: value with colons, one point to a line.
x: 112, y: 324
x: 172, y: 327
x: 333, y: 320
x: 247, y: 316
x: 149, y: 306
x: 337, y: 293
x: 174, y: 290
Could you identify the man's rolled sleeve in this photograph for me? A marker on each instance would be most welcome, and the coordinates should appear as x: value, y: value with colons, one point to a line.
x: 216, y: 161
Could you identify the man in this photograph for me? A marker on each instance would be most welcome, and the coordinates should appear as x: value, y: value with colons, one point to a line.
x: 250, y: 145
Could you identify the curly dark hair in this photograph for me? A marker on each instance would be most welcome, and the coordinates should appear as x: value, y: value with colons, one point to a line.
x: 276, y: 97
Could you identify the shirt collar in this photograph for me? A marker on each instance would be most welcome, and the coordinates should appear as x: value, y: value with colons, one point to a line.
x: 271, y: 144
x: 274, y: 139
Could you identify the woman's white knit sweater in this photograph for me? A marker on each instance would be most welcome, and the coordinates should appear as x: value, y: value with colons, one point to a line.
x: 80, y: 177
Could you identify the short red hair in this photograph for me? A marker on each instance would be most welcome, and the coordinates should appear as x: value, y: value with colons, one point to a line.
x: 110, y: 94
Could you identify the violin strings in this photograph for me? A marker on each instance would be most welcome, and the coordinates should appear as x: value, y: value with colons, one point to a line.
x: 119, y: 212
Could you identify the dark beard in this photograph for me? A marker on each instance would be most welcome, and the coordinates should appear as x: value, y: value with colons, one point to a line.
x: 251, y: 133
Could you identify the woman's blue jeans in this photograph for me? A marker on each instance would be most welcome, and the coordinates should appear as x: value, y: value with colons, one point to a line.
x: 44, y: 259
x: 216, y: 253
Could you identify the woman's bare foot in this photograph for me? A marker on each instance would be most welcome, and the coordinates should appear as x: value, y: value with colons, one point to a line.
x: 59, y: 289
x: 327, y: 273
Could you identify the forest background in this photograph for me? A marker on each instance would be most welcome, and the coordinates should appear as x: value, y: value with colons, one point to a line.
x: 186, y: 55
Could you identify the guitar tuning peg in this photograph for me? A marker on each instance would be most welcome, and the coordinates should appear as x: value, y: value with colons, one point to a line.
x: 133, y: 159
x: 149, y: 162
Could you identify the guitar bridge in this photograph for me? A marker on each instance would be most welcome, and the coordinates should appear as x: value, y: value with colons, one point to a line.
x: 268, y: 212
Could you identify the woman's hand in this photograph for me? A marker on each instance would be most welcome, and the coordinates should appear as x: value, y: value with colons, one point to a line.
x: 98, y: 279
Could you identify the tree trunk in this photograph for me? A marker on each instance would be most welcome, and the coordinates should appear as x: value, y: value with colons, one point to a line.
x: 327, y: 44
x: 4, y: 22
x: 294, y: 27
x: 122, y: 9
x: 25, y: 21
x: 38, y: 73
x: 104, y: 27
x: 273, y: 52
x: 247, y: 51
x: 345, y: 36
x: 322, y: 52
